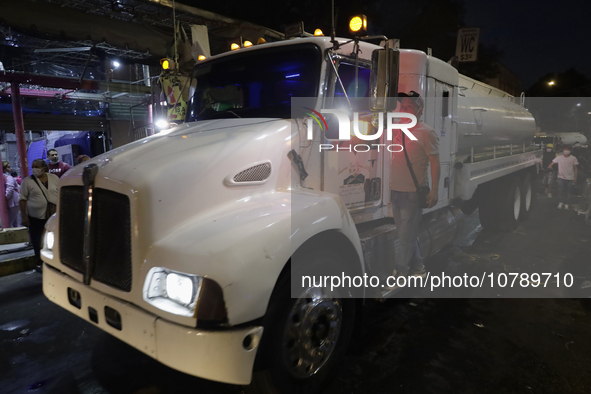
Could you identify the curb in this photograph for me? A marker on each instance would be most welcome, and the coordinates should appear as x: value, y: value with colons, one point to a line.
x: 17, y: 265
x: 14, y: 235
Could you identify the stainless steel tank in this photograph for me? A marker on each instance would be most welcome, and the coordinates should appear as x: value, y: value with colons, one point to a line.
x: 487, y: 117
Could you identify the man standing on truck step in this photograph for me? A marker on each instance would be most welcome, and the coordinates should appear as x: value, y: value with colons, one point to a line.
x: 404, y: 197
x: 56, y: 166
x: 567, y: 175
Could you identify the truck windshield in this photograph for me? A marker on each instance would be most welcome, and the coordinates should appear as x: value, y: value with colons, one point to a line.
x: 255, y: 84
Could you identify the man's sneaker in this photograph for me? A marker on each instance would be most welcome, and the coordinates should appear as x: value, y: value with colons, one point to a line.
x: 422, y: 273
x: 560, y: 205
x: 549, y: 195
x: 565, y: 206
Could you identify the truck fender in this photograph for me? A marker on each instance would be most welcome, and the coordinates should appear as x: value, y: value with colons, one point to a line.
x: 245, y: 246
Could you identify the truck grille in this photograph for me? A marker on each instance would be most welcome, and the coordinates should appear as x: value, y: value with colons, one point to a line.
x: 112, y: 234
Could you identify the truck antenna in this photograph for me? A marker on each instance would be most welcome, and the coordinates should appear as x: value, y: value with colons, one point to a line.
x: 332, y: 27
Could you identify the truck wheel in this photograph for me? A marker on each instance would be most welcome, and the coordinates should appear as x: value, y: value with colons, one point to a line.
x: 528, y: 196
x: 509, y: 205
x: 487, y: 208
x: 304, y: 338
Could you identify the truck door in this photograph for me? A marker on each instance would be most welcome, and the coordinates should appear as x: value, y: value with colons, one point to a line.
x: 356, y: 176
x: 438, y: 114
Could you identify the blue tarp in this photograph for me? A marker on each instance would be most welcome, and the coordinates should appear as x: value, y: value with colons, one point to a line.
x: 81, y: 139
x: 36, y: 151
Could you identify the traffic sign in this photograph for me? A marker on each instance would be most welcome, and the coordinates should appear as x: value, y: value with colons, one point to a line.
x: 467, y: 45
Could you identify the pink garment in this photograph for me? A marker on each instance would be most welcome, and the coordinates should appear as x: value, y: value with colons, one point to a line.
x: 12, y: 189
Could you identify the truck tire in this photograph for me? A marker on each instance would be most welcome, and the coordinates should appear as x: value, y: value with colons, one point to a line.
x: 528, y: 195
x: 488, y: 207
x: 304, y: 338
x: 509, y: 205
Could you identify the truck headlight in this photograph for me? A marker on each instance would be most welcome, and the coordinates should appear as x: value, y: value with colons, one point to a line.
x: 172, y: 291
x: 49, y: 240
x: 180, y: 288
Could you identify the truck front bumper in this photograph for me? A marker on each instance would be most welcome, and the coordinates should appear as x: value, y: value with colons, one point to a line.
x: 225, y: 355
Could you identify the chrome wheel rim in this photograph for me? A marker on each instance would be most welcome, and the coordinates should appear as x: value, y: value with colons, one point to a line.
x: 312, y: 331
x: 517, y: 203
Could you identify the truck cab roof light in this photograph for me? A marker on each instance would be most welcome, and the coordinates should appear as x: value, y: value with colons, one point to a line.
x: 234, y: 46
x: 318, y: 33
x: 358, y: 25
x: 247, y: 44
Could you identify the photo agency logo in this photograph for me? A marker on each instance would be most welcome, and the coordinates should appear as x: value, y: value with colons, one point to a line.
x: 394, y: 121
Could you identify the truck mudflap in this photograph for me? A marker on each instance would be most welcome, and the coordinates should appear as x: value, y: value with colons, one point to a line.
x: 225, y: 356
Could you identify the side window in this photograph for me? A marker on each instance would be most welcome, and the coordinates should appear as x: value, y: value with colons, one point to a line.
x: 347, y: 74
x: 445, y: 105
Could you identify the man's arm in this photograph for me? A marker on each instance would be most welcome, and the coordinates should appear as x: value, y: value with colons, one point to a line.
x: 433, y: 196
x: 576, y: 173
x: 9, y: 190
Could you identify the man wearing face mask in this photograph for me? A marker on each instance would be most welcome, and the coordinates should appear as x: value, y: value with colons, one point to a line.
x: 56, y: 166
x: 549, y: 177
x: 421, y: 155
x: 38, y: 191
x: 567, y: 175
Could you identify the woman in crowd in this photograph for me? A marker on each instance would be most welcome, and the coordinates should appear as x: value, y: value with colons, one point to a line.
x: 37, y: 198
x: 11, y: 189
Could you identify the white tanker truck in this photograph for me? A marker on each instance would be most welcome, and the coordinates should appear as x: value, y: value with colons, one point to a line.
x: 180, y: 244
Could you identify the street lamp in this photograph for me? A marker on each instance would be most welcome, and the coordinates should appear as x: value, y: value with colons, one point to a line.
x: 551, y: 83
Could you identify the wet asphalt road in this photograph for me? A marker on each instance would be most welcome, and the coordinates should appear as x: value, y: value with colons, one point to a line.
x: 410, y: 345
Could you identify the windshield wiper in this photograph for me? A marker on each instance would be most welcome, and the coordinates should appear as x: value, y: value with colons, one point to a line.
x: 234, y: 113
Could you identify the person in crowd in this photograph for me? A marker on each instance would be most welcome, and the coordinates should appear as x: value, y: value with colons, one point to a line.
x: 82, y: 158
x: 17, y: 177
x: 567, y: 175
x: 404, y: 195
x: 11, y: 188
x: 56, y: 166
x: 38, y: 191
x: 549, y: 177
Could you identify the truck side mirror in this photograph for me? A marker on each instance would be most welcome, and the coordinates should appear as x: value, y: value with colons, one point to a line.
x: 383, y: 81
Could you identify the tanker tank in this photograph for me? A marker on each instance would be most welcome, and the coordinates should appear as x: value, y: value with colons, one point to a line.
x: 489, y: 117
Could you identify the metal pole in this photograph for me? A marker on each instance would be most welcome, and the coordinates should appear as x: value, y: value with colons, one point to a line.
x: 3, y: 203
x: 19, y: 129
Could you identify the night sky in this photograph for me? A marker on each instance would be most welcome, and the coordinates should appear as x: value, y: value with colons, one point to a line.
x: 536, y: 37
